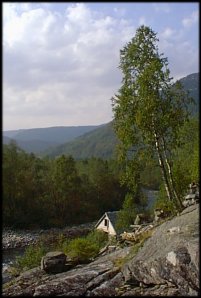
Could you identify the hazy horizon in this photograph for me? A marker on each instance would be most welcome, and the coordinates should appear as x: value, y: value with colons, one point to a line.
x: 56, y: 126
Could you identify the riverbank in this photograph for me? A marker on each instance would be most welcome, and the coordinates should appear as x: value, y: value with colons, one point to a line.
x: 22, y: 238
x: 14, y: 242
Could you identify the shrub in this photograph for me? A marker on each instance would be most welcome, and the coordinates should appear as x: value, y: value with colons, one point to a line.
x: 82, y: 250
x: 31, y: 258
x: 98, y: 237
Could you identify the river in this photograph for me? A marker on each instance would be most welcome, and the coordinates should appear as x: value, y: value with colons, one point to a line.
x: 8, y: 259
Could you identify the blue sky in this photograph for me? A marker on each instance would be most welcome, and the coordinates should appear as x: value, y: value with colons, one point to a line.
x: 60, y: 60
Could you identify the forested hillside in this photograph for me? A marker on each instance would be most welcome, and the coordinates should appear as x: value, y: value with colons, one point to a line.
x: 191, y: 84
x: 102, y: 141
x: 39, y: 139
x: 34, y: 146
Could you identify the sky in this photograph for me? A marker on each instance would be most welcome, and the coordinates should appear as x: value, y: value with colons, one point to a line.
x: 60, y: 60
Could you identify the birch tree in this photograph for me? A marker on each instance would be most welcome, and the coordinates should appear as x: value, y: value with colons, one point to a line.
x: 149, y: 109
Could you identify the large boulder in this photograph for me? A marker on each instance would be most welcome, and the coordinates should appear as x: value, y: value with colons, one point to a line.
x: 53, y: 262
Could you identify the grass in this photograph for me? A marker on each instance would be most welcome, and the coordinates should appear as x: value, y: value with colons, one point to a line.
x: 81, y: 249
x: 31, y: 257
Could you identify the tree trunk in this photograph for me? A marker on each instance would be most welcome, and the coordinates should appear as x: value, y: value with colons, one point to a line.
x: 162, y: 166
x: 170, y: 175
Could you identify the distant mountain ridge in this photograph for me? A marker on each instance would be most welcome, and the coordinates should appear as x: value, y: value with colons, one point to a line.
x: 100, y: 142
x: 39, y: 139
x: 57, y: 134
x: 191, y: 84
x: 83, y: 141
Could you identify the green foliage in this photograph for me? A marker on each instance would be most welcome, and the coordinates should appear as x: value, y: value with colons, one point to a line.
x: 127, y: 215
x: 186, y: 158
x: 150, y: 174
x: 162, y: 203
x: 61, y: 242
x: 82, y: 250
x: 23, y: 187
x: 55, y: 193
x: 195, y: 165
x: 149, y: 110
x: 99, y: 237
x: 31, y: 258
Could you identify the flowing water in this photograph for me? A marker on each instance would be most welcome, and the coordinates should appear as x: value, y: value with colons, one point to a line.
x: 8, y: 259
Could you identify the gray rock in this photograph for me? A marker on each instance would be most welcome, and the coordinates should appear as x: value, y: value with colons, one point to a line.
x: 100, y: 276
x: 53, y: 262
x: 170, y: 256
x: 156, y: 290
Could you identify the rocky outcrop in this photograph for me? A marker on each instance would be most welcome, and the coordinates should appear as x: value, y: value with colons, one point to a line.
x: 99, y: 278
x: 166, y: 265
x: 169, y: 259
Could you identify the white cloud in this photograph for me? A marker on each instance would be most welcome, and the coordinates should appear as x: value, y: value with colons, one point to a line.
x: 182, y: 55
x: 78, y: 14
x: 192, y: 19
x: 61, y: 64
x: 168, y: 33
